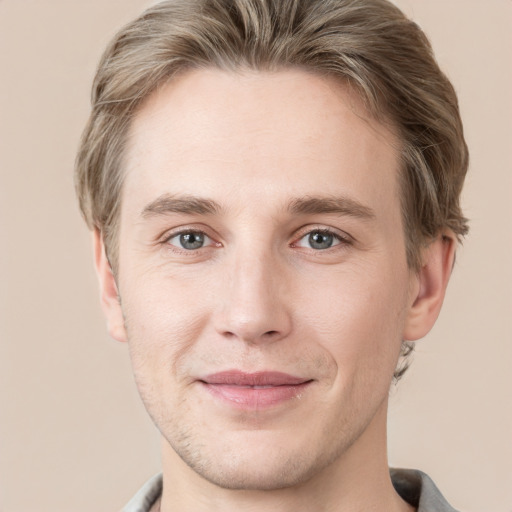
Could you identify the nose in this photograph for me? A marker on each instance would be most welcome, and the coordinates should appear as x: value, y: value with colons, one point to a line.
x: 254, y: 306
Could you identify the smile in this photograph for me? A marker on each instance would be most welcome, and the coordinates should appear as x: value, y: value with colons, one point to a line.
x: 254, y: 390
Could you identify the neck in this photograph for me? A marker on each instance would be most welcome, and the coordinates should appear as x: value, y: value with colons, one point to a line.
x: 357, y: 480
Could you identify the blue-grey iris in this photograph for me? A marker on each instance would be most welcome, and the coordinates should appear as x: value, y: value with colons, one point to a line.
x: 319, y: 240
x: 191, y: 241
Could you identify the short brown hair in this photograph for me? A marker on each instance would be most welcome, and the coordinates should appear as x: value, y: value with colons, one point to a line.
x: 369, y: 44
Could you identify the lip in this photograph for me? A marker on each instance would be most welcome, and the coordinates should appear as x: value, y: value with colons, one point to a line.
x: 254, y: 390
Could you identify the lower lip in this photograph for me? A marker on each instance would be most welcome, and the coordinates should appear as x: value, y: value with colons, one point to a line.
x: 256, y: 398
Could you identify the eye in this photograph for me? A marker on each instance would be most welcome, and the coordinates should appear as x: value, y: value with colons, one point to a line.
x: 319, y: 240
x: 190, y: 240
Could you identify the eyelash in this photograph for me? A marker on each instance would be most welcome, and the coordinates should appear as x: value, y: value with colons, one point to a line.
x: 169, y: 236
x: 343, y: 240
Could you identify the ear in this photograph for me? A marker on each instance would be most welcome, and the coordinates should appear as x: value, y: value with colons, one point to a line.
x: 431, y: 282
x: 109, y: 296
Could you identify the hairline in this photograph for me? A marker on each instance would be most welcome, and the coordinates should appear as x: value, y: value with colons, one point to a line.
x: 380, y: 116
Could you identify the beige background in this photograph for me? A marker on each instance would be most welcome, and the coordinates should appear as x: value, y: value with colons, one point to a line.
x: 73, y: 435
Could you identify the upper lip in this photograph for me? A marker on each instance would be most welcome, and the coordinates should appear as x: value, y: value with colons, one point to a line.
x: 262, y: 378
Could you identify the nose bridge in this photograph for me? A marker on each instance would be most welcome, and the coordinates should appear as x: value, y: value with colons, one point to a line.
x: 254, y: 307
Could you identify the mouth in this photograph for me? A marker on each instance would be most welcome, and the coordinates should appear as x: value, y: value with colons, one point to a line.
x: 254, y: 390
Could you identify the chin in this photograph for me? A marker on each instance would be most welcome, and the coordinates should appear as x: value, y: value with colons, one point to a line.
x: 258, y: 463
x: 248, y: 476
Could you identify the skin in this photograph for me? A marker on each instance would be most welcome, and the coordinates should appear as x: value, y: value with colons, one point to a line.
x: 258, y: 296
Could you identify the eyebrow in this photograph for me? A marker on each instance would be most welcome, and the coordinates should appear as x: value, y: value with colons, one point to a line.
x: 339, y: 205
x: 309, y: 205
x: 188, y: 205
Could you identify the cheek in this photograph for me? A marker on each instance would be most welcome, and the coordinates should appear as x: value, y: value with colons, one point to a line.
x: 359, y: 318
x: 163, y: 318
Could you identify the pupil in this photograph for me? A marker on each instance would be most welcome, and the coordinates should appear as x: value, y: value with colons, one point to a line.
x: 191, y: 240
x: 320, y: 240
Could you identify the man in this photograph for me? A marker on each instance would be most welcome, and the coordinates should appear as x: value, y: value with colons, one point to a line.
x: 273, y: 187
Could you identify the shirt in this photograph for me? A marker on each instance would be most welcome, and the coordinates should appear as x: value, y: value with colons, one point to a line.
x: 413, y: 486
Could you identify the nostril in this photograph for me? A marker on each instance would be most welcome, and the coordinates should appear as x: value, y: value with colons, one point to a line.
x: 269, y: 334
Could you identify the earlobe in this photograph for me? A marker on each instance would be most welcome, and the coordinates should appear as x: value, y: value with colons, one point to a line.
x: 109, y: 295
x: 433, y: 277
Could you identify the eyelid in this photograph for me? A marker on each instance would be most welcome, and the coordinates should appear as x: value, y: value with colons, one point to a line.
x: 342, y: 236
x: 304, y: 241
x: 206, y: 239
x: 183, y: 230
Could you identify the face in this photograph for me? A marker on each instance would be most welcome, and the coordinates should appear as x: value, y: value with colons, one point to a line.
x: 262, y: 273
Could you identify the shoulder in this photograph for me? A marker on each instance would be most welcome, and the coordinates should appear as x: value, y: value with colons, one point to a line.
x: 146, y: 496
x: 419, y: 490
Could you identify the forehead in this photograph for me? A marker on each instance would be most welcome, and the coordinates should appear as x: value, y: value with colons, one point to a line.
x: 289, y: 132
